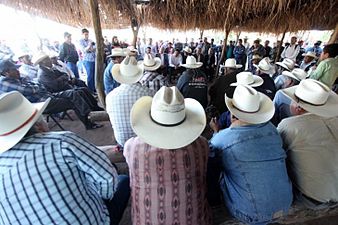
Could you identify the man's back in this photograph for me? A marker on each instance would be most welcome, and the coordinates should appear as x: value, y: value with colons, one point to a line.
x: 311, y: 143
x: 55, y: 178
x: 254, y: 180
x: 119, y: 103
x: 168, y: 186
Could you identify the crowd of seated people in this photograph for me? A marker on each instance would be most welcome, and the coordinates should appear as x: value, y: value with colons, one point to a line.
x: 274, y: 139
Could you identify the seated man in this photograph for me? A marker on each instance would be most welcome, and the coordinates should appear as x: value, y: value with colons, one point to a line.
x: 117, y: 55
x: 281, y: 101
x: 168, y: 160
x: 53, y: 78
x: 53, y: 177
x: 193, y: 82
x: 254, y: 180
x: 175, y: 61
x: 120, y: 100
x: 27, y: 68
x: 60, y: 101
x: 265, y: 70
x: 311, y: 139
x: 327, y: 70
x: 308, y: 61
x: 152, y: 78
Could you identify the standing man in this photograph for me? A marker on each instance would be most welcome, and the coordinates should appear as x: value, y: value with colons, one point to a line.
x: 239, y: 53
x: 267, y: 48
x: 88, y: 49
x: 292, y: 50
x: 68, y: 54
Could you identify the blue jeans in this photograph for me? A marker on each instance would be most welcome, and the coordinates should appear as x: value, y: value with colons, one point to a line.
x: 73, y: 68
x: 90, y: 69
x: 118, y: 204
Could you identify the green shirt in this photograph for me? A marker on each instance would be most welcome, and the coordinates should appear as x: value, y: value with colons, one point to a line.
x: 326, y: 72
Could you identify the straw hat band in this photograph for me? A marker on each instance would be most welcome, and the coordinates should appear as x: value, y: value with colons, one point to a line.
x: 166, y: 125
x: 245, y: 110
x: 21, y: 126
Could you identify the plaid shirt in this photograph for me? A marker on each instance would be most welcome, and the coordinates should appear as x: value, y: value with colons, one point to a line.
x: 55, y: 178
x: 32, y: 91
x: 153, y: 80
x: 29, y: 71
x: 119, y: 103
x: 87, y: 56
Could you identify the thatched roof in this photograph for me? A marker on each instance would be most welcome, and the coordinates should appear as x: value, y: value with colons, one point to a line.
x: 250, y: 15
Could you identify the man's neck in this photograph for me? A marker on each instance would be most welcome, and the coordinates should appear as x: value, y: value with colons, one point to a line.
x: 239, y: 123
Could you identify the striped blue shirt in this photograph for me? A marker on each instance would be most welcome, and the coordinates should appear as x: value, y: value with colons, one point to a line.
x: 55, y: 178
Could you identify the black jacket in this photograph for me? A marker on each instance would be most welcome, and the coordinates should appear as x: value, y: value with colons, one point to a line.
x: 68, y: 53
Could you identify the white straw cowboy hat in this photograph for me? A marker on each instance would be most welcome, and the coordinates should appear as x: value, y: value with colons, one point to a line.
x: 297, y: 74
x: 123, y: 52
x: 310, y: 54
x: 250, y: 105
x: 17, y: 116
x: 20, y: 54
x: 187, y: 49
x: 129, y: 71
x: 231, y: 63
x: 265, y: 66
x: 315, y: 97
x: 191, y: 63
x: 288, y: 64
x: 168, y: 120
x: 247, y: 78
x: 39, y: 57
x: 150, y: 63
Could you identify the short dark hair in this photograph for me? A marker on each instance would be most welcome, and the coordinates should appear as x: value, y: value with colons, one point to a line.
x: 240, y: 40
x: 256, y: 41
x: 84, y: 30
x: 66, y: 34
x: 331, y: 49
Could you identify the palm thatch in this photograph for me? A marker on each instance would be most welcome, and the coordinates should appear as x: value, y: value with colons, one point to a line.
x: 249, y: 15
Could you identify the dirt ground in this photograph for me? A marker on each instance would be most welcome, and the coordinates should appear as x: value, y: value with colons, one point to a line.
x: 99, y: 137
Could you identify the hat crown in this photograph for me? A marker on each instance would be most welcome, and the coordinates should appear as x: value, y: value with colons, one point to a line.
x: 289, y: 63
x: 264, y: 64
x: 118, y: 52
x: 149, y: 60
x: 13, y: 103
x: 191, y: 60
x: 168, y: 106
x: 245, y: 78
x: 230, y: 63
x: 187, y: 49
x: 246, y: 99
x: 129, y: 67
x: 313, y: 92
x: 299, y: 73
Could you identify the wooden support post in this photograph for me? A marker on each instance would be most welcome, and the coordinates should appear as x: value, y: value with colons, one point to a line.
x: 135, y: 26
x: 99, y: 63
x: 201, y: 34
x: 279, y: 47
x: 334, y: 36
x: 224, y: 49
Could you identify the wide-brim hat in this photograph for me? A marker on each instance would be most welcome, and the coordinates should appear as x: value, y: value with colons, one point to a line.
x: 129, y: 71
x: 39, y: 58
x: 122, y: 52
x: 263, y: 114
x: 325, y: 107
x: 151, y: 63
x: 310, y: 54
x: 191, y: 63
x: 287, y: 64
x: 20, y: 54
x: 265, y: 66
x: 7, y: 64
x: 244, y: 78
x: 17, y: 116
x: 167, y: 137
x: 231, y: 63
x: 187, y: 49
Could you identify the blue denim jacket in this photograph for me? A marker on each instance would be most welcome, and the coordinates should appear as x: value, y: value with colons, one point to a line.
x: 109, y: 82
x: 254, y: 180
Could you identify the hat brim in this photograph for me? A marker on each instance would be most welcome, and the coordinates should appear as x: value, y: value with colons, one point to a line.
x: 283, y: 65
x: 116, y: 73
x: 264, y: 114
x: 154, y: 67
x: 37, y: 61
x: 193, y: 66
x: 235, y: 67
x: 117, y: 55
x: 329, y: 109
x: 7, y: 142
x: 270, y: 71
x: 312, y: 56
x: 289, y: 74
x: 258, y: 81
x: 167, y: 137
